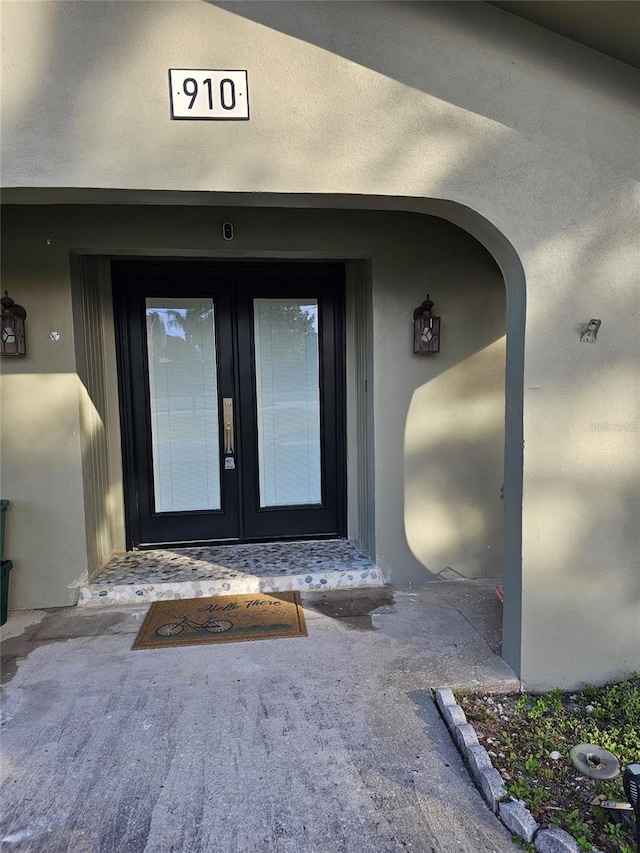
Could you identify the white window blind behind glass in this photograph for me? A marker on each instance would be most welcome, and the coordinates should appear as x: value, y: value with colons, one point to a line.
x: 184, y: 404
x: 288, y: 401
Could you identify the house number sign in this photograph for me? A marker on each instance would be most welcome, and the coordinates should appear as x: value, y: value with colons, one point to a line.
x: 197, y: 93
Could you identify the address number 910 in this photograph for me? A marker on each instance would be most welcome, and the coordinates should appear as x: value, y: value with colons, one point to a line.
x: 208, y: 94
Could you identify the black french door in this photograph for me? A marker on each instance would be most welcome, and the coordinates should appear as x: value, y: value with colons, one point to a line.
x: 232, y: 399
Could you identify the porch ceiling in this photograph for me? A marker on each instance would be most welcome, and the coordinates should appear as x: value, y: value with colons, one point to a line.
x: 609, y: 26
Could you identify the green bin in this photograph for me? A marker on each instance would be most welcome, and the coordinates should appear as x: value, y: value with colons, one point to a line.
x: 3, y: 510
x: 7, y: 565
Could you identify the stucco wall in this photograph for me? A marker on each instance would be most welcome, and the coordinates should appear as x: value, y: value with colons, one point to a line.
x: 455, y: 101
x: 100, y: 446
x: 41, y: 466
x: 439, y: 421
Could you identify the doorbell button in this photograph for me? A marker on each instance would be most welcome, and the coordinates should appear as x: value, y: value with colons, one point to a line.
x: 227, y: 231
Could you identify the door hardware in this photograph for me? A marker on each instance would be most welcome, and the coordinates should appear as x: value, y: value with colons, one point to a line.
x: 227, y: 419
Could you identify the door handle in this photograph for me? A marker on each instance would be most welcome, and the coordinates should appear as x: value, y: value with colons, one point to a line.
x: 227, y: 420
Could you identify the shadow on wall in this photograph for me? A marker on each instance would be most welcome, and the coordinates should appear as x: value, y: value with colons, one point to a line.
x: 504, y: 55
x: 454, y: 456
x: 56, y: 37
x: 500, y: 133
x: 439, y: 419
x: 454, y: 429
x: 404, y: 85
x: 488, y: 33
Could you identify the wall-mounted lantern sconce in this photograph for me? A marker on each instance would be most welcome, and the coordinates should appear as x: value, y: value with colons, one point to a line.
x: 590, y: 334
x: 12, y: 337
x: 426, y: 329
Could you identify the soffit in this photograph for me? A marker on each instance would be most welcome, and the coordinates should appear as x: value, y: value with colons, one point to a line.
x: 609, y: 26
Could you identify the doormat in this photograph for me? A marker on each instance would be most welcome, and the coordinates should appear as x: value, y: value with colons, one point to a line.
x: 222, y: 619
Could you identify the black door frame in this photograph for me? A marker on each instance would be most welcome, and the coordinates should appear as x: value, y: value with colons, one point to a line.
x: 337, y: 390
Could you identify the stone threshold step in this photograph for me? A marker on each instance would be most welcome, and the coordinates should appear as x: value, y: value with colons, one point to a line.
x: 145, y: 576
x: 101, y: 595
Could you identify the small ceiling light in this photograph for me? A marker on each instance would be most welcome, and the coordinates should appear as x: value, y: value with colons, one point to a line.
x: 426, y: 329
x: 12, y: 337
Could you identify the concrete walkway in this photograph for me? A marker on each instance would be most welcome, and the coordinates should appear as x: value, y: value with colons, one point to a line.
x: 322, y: 744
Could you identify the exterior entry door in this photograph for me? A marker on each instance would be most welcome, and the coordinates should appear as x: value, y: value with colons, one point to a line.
x: 232, y: 400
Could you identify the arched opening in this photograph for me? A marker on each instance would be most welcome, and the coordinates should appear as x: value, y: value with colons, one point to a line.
x: 347, y: 228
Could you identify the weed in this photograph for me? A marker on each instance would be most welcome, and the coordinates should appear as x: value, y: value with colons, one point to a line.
x: 519, y: 789
x: 579, y: 830
x: 477, y: 714
x: 532, y: 765
x: 519, y: 705
x: 531, y: 727
x: 616, y: 832
x: 506, y: 740
x: 548, y: 703
x: 538, y: 797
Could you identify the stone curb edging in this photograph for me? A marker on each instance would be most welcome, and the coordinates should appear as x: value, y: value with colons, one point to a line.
x: 513, y: 813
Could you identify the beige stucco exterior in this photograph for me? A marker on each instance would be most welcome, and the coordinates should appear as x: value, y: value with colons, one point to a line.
x: 439, y: 423
x: 523, y: 138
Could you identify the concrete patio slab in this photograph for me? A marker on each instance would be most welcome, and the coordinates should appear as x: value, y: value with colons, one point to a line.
x: 326, y: 743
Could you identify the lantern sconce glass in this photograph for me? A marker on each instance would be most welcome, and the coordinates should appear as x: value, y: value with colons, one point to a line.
x: 426, y: 329
x: 12, y: 336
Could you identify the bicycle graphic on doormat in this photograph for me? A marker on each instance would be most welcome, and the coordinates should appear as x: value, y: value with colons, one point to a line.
x: 212, y: 626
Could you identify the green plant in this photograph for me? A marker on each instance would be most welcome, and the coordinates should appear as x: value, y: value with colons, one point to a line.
x: 506, y: 740
x: 518, y: 789
x: 477, y: 714
x: 538, y: 797
x: 622, y: 699
x: 556, y: 699
x: 532, y: 765
x: 616, y: 831
x: 578, y: 829
x: 547, y: 703
x: 528, y: 728
x: 511, y: 759
x: 519, y: 705
x: 538, y: 708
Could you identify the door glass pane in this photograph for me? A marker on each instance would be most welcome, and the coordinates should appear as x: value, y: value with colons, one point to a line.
x: 184, y: 404
x: 288, y: 401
